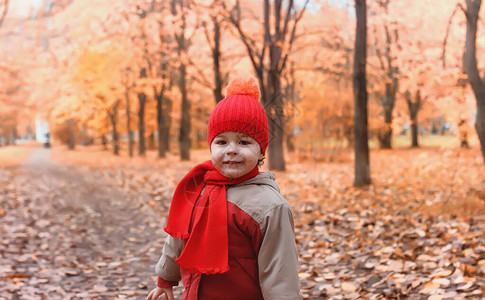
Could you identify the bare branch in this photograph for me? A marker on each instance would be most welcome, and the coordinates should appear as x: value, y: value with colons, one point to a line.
x: 207, y: 37
x: 277, y: 18
x: 320, y: 69
x: 202, y: 79
x: 448, y: 26
x: 287, y: 18
x: 292, y: 38
x: 252, y: 51
x: 267, y: 31
x: 191, y: 37
x: 378, y: 51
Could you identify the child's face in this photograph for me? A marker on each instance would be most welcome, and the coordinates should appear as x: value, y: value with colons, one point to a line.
x: 235, y: 154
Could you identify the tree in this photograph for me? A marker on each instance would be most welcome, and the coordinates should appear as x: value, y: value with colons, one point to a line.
x: 163, y: 103
x: 362, y: 166
x: 127, y: 84
x: 388, y: 64
x: 71, y: 142
x: 113, y: 116
x: 415, y: 103
x: 154, y: 57
x: 142, y: 98
x: 419, y: 82
x: 323, y: 107
x: 216, y: 57
x: 213, y: 31
x: 269, y: 62
x: 98, y: 73
x: 12, y: 102
x: 470, y: 66
x: 183, y: 43
x: 290, y: 94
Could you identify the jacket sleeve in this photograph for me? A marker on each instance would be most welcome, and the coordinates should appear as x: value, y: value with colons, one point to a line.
x: 167, y: 269
x: 278, y: 257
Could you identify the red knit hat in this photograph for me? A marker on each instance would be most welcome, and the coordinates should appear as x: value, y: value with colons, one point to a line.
x: 240, y: 111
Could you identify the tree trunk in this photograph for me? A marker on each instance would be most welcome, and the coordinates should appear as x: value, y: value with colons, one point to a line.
x: 273, y: 102
x: 290, y: 95
x: 414, y: 134
x: 386, y: 137
x: 480, y: 126
x: 104, y: 142
x: 167, y: 123
x: 361, y: 146
x: 216, y: 57
x: 128, y: 124
x: 151, y: 141
x: 71, y: 143
x: 11, y: 135
x: 290, y: 145
x: 414, y: 106
x: 391, y: 85
x: 279, y: 30
x: 184, y: 137
x: 182, y: 45
x: 161, y: 148
x: 388, y: 106
x: 14, y: 134
x: 274, y: 110
x: 114, y: 120
x: 7, y: 136
x: 414, y: 109
x: 141, y: 123
x: 471, y: 68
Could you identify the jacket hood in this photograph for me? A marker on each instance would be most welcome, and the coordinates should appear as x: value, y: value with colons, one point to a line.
x: 266, y: 178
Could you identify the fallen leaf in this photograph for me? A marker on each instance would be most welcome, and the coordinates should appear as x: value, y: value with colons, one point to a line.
x: 348, y: 287
x: 429, y: 287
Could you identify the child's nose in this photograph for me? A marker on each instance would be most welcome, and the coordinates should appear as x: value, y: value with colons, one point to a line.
x: 231, y: 148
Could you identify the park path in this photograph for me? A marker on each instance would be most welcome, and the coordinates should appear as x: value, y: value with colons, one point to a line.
x: 74, y: 233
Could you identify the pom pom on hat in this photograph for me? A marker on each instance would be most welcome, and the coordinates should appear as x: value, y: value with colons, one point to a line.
x: 243, y: 85
x: 241, y: 112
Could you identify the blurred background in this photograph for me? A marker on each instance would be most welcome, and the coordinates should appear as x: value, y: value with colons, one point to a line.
x: 138, y: 75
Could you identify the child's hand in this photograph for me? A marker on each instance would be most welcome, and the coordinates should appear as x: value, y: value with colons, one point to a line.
x: 157, y: 292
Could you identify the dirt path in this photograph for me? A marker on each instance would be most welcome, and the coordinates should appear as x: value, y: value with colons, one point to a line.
x: 74, y: 234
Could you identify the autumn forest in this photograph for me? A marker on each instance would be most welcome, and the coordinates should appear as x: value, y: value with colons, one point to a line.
x: 376, y: 114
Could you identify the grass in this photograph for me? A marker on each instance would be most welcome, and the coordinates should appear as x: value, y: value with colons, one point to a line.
x: 15, y: 155
x: 439, y: 141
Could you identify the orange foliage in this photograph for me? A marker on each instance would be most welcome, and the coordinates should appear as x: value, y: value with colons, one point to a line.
x: 76, y: 61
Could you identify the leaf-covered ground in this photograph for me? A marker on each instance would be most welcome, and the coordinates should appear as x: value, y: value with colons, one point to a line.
x: 88, y: 225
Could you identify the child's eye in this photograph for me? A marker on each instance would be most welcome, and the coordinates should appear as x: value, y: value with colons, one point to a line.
x: 245, y: 142
x: 221, y: 142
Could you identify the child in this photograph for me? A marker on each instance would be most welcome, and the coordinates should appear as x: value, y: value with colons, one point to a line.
x: 231, y: 233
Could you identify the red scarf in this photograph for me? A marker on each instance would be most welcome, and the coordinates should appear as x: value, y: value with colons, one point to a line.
x: 206, y: 250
